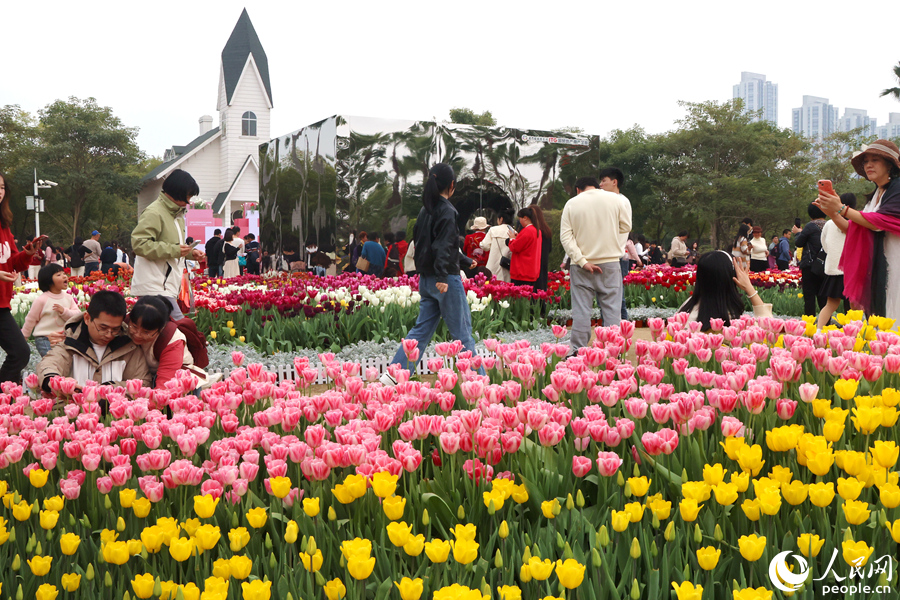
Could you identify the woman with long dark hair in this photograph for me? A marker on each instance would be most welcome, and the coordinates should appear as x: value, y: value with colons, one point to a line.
x: 546, y: 247
x: 230, y: 248
x: 810, y: 239
x: 715, y: 295
x: 12, y: 261
x: 441, y: 291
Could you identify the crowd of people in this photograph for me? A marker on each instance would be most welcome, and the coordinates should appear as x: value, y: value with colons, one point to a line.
x: 844, y: 255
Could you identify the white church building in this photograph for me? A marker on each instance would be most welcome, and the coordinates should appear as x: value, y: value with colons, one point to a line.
x: 225, y: 159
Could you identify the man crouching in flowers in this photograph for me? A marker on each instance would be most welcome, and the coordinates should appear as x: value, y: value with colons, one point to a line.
x: 95, y: 348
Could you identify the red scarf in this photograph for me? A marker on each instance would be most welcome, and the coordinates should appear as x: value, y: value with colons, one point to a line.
x: 857, y: 260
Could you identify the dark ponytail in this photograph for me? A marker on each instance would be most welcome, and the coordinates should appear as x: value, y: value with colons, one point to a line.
x: 440, y: 178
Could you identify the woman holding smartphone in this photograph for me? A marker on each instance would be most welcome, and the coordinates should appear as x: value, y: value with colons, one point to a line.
x: 871, y: 257
x: 495, y: 242
x: 12, y: 261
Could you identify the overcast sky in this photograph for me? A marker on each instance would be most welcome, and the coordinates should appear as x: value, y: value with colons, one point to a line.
x: 594, y: 64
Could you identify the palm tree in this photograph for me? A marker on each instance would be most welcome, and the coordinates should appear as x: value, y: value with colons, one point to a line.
x: 894, y: 91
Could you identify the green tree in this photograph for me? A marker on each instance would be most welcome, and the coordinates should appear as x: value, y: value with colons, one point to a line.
x: 719, y: 167
x: 467, y: 116
x: 893, y: 91
x: 87, y: 150
x: 832, y: 157
x: 17, y: 148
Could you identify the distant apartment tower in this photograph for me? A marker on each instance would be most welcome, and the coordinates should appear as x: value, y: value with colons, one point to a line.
x: 758, y: 94
x: 816, y: 119
x: 891, y: 130
x: 855, y: 118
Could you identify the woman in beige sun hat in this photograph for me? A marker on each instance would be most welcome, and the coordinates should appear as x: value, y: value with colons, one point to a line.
x: 871, y: 257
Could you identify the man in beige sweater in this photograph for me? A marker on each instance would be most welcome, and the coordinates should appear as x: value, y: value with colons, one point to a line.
x: 591, y: 234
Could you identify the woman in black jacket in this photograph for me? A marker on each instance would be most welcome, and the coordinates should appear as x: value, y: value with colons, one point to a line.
x: 546, y: 247
x: 810, y: 240
x: 441, y: 290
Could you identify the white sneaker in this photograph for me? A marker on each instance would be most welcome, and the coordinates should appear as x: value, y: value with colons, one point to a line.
x: 387, y: 380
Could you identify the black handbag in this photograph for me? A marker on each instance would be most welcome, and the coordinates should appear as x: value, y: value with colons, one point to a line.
x: 817, y: 267
x: 505, y: 262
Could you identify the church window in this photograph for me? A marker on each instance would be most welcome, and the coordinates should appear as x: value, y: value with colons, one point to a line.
x: 248, y: 124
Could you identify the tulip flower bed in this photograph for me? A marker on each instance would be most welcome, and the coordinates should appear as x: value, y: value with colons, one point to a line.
x: 584, y: 478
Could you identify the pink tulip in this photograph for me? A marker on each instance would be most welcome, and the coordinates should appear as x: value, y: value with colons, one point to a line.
x: 608, y: 463
x: 732, y: 427
x: 668, y: 439
x: 581, y: 465
x: 104, y: 484
x: 785, y: 408
x: 70, y: 488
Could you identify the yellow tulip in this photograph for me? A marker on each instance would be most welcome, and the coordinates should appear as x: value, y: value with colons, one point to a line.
x: 570, y: 573
x: 410, y: 589
x: 550, y: 508
x: 810, y: 545
x: 126, y: 497
x: 222, y: 568
x: 49, y: 519
x: 846, y: 388
x: 238, y: 538
x: 437, y: 551
x: 726, y: 493
x: 57, y: 502
x: 620, y: 520
x: 540, y: 569
x: 281, y: 486
x: 143, y: 585
x: 782, y: 475
x: 509, y: 592
x: 291, y: 531
x: 343, y: 494
x: 205, y: 505
x: 795, y: 492
x: 335, y: 590
x: 384, y: 484
x: 40, y: 565
x: 850, y: 488
x: 116, y: 553
x: 833, y: 431
x: 750, y: 459
x: 141, y: 507
x: 399, y: 533
x: 191, y: 526
x: 889, y: 493
x: 153, y: 538
x: 464, y: 532
x: 181, y: 548
x: 708, y: 557
x: 853, y: 463
x: 759, y: 593
x: 356, y: 484
x: 311, y: 506
x: 68, y: 543
x: 71, y: 582
x: 821, y: 494
x: 856, y: 554
x: 885, y: 453
x: 769, y: 501
x: 520, y: 494
x: 38, y: 477
x: 415, y: 545
x: 731, y: 445
x: 213, y: 334
x: 207, y: 536
x: 752, y: 546
x: 635, y: 511
x: 256, y: 589
x: 661, y: 508
x: 464, y: 551
x: 233, y: 332
x: 240, y: 566
x: 215, y: 588
x: 135, y: 547
x: 856, y: 512
x: 495, y: 496
x: 741, y: 480
x: 257, y: 517
x: 866, y: 419
x: 360, y: 568
x: 688, y: 591
x: 46, y: 592
x: 696, y: 490
x: 393, y: 507
x: 819, y: 462
x: 639, y: 485
x: 21, y: 511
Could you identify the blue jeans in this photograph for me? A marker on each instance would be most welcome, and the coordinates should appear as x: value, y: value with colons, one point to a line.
x: 42, y: 343
x: 625, y: 263
x: 433, y: 305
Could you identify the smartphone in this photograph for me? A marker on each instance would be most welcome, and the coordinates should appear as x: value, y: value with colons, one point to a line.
x: 825, y: 186
x: 194, y: 243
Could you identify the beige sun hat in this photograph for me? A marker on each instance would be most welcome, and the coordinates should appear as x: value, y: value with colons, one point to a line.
x: 886, y: 149
x: 479, y: 224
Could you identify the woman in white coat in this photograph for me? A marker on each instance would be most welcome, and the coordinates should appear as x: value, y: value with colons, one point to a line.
x: 495, y: 242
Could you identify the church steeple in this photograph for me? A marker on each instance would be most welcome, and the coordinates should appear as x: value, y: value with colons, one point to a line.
x: 243, y: 43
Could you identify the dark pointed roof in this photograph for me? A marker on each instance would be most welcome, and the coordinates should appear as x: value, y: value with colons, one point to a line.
x: 242, y: 43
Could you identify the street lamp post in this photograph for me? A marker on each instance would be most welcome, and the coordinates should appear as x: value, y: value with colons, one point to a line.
x: 39, y: 184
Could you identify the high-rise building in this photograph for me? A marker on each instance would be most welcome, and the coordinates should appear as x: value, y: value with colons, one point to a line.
x: 856, y: 117
x: 891, y: 130
x: 816, y: 119
x: 758, y: 95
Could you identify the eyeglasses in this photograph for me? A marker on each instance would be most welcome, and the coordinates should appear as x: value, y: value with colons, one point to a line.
x: 105, y: 329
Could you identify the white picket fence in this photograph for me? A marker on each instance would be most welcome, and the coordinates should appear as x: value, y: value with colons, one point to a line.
x: 380, y: 362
